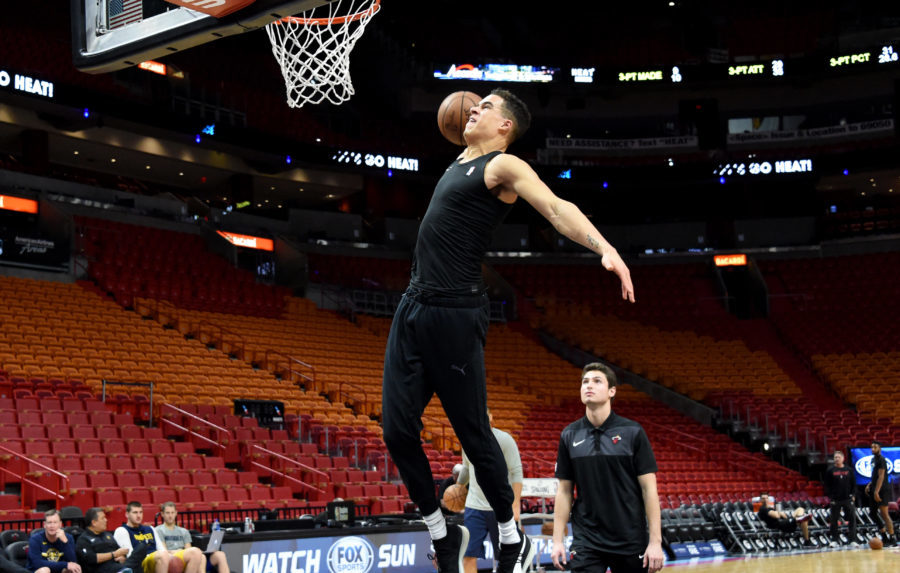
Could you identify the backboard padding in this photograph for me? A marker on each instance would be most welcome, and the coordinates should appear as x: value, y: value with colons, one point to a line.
x: 97, y: 50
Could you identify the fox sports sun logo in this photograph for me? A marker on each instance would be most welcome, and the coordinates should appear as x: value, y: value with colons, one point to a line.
x: 351, y: 555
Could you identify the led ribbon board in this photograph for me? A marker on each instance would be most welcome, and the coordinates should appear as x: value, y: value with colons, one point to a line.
x: 26, y: 84
x: 785, y: 166
x: 19, y: 204
x: 375, y: 160
x: 498, y: 73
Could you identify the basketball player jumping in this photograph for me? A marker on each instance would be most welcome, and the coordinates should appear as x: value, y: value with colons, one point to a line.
x: 436, y: 341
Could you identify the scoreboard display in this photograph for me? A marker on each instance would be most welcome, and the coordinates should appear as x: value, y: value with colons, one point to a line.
x: 588, y: 73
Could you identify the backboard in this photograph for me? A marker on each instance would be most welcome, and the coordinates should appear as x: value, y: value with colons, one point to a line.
x: 109, y: 35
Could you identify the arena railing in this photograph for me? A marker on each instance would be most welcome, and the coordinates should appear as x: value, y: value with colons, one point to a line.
x: 292, y: 369
x: 223, y: 435
x: 265, y: 452
x: 27, y: 463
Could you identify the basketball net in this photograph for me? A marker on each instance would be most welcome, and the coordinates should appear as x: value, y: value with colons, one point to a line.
x: 313, y: 50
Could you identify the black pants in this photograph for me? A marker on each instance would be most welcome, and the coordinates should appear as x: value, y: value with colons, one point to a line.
x: 599, y: 561
x: 875, y: 507
x: 849, y: 515
x: 436, y: 346
x: 786, y: 525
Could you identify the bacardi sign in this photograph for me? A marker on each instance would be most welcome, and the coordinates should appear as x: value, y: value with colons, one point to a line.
x: 248, y: 241
x: 731, y: 260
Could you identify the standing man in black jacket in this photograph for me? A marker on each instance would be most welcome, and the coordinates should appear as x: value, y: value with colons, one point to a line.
x: 839, y: 488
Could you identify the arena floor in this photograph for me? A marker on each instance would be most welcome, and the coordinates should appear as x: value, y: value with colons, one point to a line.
x: 862, y: 560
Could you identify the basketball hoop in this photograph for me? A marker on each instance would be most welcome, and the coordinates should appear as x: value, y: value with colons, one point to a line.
x: 313, y: 50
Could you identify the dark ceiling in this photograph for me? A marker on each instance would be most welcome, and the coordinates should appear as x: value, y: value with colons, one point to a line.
x: 408, y: 39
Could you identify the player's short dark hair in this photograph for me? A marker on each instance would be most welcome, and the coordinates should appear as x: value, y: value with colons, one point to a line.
x: 133, y: 505
x: 91, y: 515
x: 877, y: 443
x: 607, y: 371
x: 515, y: 109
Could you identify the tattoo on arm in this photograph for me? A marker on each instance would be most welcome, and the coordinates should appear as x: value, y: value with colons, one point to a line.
x: 592, y: 242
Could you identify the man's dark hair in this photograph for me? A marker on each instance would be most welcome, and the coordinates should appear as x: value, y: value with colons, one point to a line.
x: 91, y: 515
x: 601, y: 367
x: 515, y: 109
x: 877, y: 443
x: 133, y: 505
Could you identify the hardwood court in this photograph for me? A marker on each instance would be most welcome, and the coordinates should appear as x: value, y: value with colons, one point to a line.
x: 855, y: 561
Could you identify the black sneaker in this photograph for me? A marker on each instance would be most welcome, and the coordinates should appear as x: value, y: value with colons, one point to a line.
x: 449, y: 551
x: 517, y: 557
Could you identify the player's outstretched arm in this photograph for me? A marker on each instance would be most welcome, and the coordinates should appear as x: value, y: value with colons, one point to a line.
x: 653, y: 555
x: 562, y: 508
x: 517, y: 176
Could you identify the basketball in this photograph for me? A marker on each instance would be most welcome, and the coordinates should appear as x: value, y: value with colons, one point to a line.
x: 453, y: 114
x: 455, y: 497
x: 875, y: 543
x: 176, y: 565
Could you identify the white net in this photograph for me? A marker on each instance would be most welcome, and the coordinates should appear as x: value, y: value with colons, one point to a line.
x: 314, y: 48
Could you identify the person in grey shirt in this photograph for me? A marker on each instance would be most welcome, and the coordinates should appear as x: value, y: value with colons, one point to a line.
x: 177, y: 541
x: 479, y: 518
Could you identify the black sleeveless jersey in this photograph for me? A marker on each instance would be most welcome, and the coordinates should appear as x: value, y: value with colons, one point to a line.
x: 457, y: 229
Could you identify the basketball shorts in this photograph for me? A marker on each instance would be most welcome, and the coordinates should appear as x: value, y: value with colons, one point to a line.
x: 481, y: 525
x: 595, y: 561
x: 149, y: 563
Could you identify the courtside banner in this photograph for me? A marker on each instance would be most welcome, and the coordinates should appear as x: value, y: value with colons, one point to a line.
x: 248, y: 241
x: 400, y: 552
x: 19, y: 204
x: 357, y: 552
x: 861, y: 458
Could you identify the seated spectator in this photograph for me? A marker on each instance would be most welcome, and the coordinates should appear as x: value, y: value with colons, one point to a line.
x: 178, y: 542
x: 144, y: 548
x: 97, y: 549
x: 783, y: 522
x: 50, y: 550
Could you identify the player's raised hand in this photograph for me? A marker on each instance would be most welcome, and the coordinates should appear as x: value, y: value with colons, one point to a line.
x: 613, y: 262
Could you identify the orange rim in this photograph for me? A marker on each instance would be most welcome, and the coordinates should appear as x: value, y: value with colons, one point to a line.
x: 328, y: 21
